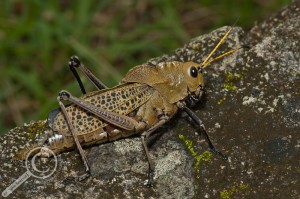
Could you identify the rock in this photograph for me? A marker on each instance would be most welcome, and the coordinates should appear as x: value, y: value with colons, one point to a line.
x: 251, y: 111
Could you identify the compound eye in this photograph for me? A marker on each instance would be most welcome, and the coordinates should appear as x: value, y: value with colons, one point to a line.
x: 193, y: 71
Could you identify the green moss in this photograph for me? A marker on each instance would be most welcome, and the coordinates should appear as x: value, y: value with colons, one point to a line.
x: 226, y: 194
x: 205, y: 156
x: 222, y: 100
x: 35, y: 128
x: 188, y: 144
x: 229, y: 84
x: 196, y: 47
x: 243, y: 186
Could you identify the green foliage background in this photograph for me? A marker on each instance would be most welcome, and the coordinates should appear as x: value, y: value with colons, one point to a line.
x: 37, y: 38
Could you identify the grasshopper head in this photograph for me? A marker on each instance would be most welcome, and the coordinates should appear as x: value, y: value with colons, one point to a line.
x: 194, y: 79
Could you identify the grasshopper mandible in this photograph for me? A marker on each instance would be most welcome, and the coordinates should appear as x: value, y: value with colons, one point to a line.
x: 145, y: 100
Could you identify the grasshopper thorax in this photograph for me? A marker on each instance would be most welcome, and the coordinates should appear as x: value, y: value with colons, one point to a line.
x: 174, y: 80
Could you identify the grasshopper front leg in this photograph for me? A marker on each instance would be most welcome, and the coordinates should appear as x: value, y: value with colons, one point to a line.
x: 196, y: 119
x: 75, y: 63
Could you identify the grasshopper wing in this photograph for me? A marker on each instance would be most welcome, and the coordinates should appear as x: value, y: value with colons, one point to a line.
x: 122, y: 99
x: 167, y: 78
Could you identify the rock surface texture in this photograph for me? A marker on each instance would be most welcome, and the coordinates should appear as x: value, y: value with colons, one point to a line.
x: 251, y: 111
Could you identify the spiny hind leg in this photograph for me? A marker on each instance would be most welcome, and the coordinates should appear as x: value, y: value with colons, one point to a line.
x: 75, y: 63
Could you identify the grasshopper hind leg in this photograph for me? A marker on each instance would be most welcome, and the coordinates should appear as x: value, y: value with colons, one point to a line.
x: 76, y: 63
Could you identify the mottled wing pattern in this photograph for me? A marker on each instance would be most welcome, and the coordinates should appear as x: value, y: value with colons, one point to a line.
x: 121, y: 99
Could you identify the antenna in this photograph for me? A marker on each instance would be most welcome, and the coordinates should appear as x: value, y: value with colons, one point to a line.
x: 206, y: 62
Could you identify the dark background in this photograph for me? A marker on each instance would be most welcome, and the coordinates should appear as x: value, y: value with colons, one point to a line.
x: 38, y: 37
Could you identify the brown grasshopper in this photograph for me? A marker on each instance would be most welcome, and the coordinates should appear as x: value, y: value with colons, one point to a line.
x: 145, y: 100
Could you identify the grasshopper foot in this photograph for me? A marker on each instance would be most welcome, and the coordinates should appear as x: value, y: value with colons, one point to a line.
x: 74, y: 61
x: 150, y: 178
x: 83, y: 177
x: 64, y: 95
x: 71, y: 179
x: 215, y: 151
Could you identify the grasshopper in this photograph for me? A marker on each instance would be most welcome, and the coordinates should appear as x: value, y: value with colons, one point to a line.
x: 146, y: 99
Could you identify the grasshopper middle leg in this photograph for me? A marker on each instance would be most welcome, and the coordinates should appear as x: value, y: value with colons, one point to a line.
x: 144, y: 136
